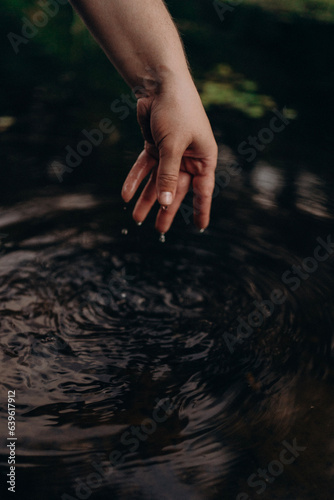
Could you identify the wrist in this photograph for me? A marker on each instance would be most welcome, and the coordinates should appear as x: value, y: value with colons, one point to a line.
x: 153, y: 81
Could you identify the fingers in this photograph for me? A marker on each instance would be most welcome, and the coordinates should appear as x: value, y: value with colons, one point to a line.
x: 170, y: 185
x: 137, y: 174
x: 203, y: 186
x: 170, y: 156
x: 146, y: 200
x: 165, y: 217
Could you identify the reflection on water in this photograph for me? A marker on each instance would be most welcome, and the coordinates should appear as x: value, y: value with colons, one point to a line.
x: 268, y: 181
x: 119, y: 348
x: 311, y: 194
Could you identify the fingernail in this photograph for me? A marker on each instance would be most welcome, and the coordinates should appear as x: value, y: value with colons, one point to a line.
x: 165, y: 198
x: 164, y: 207
x: 139, y: 223
x: 162, y: 238
x: 202, y: 230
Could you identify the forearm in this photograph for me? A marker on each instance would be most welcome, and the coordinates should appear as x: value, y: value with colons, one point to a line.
x: 140, y: 39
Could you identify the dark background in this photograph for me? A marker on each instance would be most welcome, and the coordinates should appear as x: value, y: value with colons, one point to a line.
x: 246, y: 60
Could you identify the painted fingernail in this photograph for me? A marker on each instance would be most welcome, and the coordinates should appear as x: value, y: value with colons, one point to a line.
x: 202, y: 230
x: 162, y: 238
x: 139, y: 223
x: 165, y: 198
x: 164, y: 207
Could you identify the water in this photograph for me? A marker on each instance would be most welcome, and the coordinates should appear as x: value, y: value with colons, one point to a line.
x: 130, y: 380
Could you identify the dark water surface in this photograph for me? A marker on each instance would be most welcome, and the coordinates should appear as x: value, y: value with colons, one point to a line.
x: 196, y: 369
x: 131, y: 379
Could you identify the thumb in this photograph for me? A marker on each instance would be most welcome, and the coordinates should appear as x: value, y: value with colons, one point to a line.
x: 170, y: 157
x: 144, y: 120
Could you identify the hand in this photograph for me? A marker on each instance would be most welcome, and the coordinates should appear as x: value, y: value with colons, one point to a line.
x: 179, y: 150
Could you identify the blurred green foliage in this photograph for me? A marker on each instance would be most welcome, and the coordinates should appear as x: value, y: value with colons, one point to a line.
x: 226, y: 87
x: 64, y: 45
x: 322, y: 10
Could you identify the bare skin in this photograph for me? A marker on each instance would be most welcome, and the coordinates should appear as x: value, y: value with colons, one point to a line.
x: 142, y: 42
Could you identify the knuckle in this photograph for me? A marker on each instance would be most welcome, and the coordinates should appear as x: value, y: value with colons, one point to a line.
x: 167, y: 178
x: 170, y: 149
x: 205, y: 195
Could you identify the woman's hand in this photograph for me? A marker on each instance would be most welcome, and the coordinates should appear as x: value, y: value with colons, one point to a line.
x: 179, y: 150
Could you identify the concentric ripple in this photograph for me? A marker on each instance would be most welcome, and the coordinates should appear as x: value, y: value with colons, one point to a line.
x: 134, y: 378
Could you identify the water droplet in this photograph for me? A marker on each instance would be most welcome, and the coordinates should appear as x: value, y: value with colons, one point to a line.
x: 162, y: 238
x: 124, y: 231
